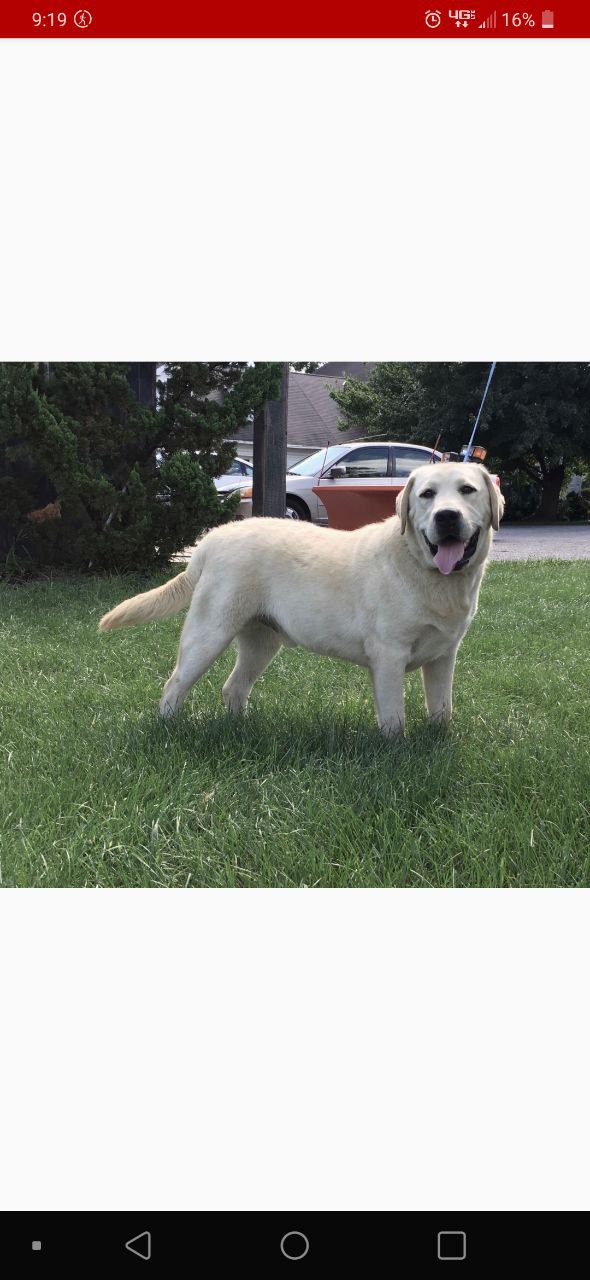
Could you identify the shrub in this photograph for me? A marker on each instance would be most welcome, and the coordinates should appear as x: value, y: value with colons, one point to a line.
x: 89, y: 479
x: 576, y: 506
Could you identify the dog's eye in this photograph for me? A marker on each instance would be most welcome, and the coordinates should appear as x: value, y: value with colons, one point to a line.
x: 427, y: 493
x: 467, y: 488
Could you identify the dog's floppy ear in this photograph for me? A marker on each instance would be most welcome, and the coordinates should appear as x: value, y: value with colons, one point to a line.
x: 496, y: 499
x: 401, y: 505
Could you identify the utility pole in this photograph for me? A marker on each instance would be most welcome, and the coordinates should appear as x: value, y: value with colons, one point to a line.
x: 270, y: 453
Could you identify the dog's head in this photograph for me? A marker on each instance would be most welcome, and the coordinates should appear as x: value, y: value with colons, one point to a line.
x: 451, y: 509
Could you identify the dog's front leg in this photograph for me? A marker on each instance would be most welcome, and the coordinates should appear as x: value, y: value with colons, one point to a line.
x: 437, y: 678
x: 388, y: 687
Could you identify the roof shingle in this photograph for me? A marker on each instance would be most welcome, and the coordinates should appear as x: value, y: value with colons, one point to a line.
x: 312, y: 419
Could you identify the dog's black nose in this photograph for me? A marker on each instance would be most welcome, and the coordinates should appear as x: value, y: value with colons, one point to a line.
x: 447, y: 520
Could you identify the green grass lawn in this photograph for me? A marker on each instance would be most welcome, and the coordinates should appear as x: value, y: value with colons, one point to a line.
x: 95, y: 790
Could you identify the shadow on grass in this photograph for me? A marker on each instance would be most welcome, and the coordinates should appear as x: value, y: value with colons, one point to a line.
x: 326, y: 741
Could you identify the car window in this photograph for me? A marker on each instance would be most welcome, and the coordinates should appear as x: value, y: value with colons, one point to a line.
x: 239, y: 468
x: 318, y: 461
x: 407, y: 458
x: 367, y: 463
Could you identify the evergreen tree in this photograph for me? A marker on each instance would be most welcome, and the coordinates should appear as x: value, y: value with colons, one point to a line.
x: 91, y: 480
x: 536, y: 420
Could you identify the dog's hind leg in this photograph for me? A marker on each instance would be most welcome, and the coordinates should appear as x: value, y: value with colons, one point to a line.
x: 257, y: 646
x: 201, y: 642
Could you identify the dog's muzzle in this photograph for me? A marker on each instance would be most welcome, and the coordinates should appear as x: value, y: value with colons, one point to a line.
x: 450, y: 553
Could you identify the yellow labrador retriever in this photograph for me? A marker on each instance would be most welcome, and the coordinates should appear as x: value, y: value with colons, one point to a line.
x: 392, y: 596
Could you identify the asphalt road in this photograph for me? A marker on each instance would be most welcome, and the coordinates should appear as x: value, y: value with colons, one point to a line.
x: 542, y: 542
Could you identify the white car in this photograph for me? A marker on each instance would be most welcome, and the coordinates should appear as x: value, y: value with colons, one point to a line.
x: 240, y: 471
x: 238, y: 476
x: 368, y: 462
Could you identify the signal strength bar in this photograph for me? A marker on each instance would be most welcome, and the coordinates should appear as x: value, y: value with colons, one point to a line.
x: 489, y: 22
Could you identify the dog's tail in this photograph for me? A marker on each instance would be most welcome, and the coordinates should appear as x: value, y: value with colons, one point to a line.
x: 162, y: 602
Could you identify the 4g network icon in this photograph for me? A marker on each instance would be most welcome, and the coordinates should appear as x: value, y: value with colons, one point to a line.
x: 460, y: 17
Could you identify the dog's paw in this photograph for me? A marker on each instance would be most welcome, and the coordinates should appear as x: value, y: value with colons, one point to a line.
x: 235, y: 700
x: 392, y: 728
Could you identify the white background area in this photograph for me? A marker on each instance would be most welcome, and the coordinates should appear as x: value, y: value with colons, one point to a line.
x: 332, y: 1049
x: 372, y: 200
x: 294, y: 1048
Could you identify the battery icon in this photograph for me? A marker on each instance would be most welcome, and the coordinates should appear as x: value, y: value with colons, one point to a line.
x: 547, y: 18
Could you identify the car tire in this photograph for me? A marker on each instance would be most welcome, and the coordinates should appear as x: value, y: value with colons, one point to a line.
x: 296, y: 509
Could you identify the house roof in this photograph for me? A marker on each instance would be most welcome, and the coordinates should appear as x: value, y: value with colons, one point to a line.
x: 312, y: 417
x: 359, y: 369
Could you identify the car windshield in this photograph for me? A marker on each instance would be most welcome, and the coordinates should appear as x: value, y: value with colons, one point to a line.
x: 317, y: 461
x: 239, y: 468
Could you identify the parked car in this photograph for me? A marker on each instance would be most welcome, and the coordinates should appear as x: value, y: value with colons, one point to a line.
x: 239, y: 470
x: 362, y: 463
x: 238, y: 476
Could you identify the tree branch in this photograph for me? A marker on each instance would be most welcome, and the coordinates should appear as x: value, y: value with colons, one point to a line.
x: 541, y: 461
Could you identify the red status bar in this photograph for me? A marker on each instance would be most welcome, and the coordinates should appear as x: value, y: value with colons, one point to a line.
x: 265, y: 18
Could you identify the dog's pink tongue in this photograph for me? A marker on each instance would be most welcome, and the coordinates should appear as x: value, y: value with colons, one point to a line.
x: 448, y: 555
